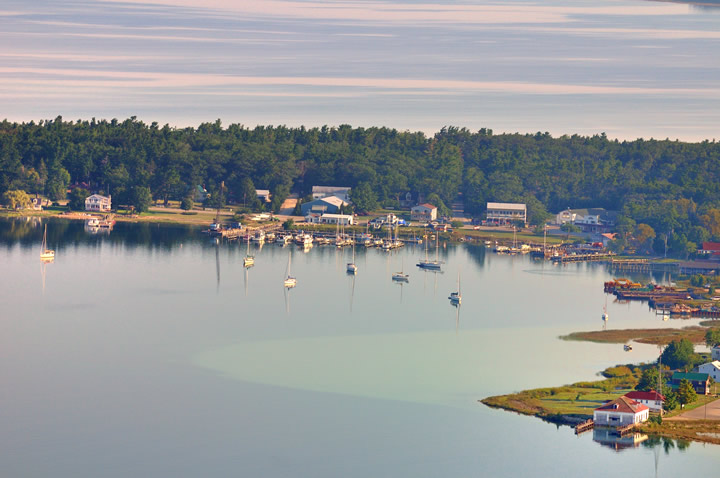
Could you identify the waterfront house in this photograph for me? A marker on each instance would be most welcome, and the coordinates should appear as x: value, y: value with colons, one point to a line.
x: 423, y: 212
x: 607, y: 238
x: 715, y: 353
x: 506, y: 213
x: 329, y: 204
x: 699, y: 381
x: 596, y: 220
x: 341, y: 192
x: 712, y: 369
x: 341, y: 219
x: 621, y: 412
x: 263, y: 195
x: 652, y: 399
x: 98, y: 203
x: 710, y: 249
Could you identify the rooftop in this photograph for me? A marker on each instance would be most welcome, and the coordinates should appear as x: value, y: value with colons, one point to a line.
x: 651, y: 395
x: 506, y: 205
x: 623, y: 405
x: 692, y: 376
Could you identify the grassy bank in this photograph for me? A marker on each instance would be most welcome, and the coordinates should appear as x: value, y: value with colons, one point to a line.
x: 571, y: 404
x: 695, y: 334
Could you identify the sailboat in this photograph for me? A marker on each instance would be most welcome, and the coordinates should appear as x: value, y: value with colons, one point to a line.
x: 456, y: 297
x: 290, y: 281
x: 401, y: 276
x: 249, y: 260
x: 428, y: 264
x: 45, y: 253
x: 351, y: 266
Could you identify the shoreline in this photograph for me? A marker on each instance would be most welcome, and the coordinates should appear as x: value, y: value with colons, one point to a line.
x: 574, y: 403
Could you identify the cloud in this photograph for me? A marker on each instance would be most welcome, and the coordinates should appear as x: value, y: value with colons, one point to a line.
x: 82, y: 78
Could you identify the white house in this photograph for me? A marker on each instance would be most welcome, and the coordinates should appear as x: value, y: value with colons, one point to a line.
x: 715, y: 353
x: 98, y: 203
x: 620, y: 412
x: 595, y: 219
x: 342, y: 219
x: 653, y: 400
x: 506, y: 212
x: 712, y: 369
x: 263, y: 194
x: 423, y: 212
x: 342, y: 192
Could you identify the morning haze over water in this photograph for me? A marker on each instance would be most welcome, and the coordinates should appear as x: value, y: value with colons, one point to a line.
x: 153, y: 352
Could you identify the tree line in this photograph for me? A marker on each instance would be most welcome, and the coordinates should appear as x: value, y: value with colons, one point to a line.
x: 667, y: 192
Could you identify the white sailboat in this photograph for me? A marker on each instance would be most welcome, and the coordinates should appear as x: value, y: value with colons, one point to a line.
x: 456, y: 297
x: 401, y: 276
x: 436, y: 264
x: 290, y: 281
x: 249, y: 260
x: 46, y: 254
x: 351, y: 266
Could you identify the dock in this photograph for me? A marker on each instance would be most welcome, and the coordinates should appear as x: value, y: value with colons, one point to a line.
x: 592, y: 257
x: 587, y: 425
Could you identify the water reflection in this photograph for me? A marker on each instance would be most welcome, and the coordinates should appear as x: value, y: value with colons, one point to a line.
x: 610, y: 438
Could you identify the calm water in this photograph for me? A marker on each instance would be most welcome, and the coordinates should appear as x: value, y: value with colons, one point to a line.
x: 152, y: 352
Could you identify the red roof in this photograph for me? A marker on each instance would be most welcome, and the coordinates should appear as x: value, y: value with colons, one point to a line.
x: 624, y: 405
x: 711, y: 247
x: 651, y: 395
x: 427, y: 205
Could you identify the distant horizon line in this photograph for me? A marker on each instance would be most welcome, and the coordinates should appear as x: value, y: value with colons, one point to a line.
x: 427, y: 133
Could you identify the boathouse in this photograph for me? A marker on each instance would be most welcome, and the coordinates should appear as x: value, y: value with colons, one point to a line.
x: 712, y: 369
x: 699, y: 381
x: 98, y: 203
x: 621, y: 412
x: 329, y: 205
x: 652, y: 399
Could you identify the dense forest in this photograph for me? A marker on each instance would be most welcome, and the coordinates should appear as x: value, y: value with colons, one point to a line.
x: 666, y: 191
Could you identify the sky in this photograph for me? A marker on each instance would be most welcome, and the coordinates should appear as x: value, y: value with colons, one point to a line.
x: 628, y: 69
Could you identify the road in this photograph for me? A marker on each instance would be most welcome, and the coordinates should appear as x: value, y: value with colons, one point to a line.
x: 713, y: 413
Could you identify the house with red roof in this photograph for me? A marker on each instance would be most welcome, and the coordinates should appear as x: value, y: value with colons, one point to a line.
x: 710, y: 248
x: 652, y: 399
x: 621, y: 412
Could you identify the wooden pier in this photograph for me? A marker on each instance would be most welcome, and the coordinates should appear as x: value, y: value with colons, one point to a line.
x: 624, y: 430
x: 588, y: 424
x: 643, y: 265
x: 583, y: 258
